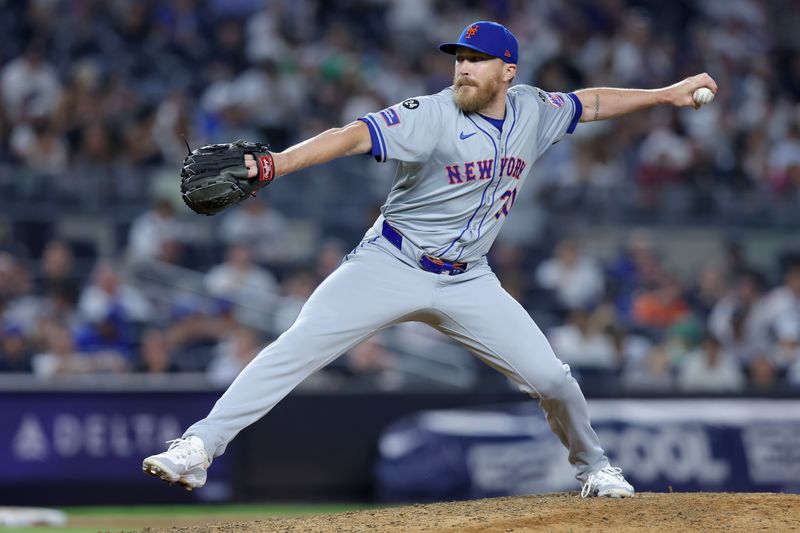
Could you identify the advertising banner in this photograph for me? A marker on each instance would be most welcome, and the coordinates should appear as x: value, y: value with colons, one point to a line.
x: 86, y: 437
x: 661, y: 445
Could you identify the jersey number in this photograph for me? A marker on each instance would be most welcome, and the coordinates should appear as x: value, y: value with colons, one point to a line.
x: 509, y: 197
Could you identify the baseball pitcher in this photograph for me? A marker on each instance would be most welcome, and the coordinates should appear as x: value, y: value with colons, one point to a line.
x: 462, y: 157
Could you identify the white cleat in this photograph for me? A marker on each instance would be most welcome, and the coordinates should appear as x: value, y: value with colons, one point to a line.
x: 185, y: 462
x: 607, y: 483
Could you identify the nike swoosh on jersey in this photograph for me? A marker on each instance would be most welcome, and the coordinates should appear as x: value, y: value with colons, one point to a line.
x: 462, y: 136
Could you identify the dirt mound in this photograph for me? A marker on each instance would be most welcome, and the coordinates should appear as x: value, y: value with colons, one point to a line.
x: 729, y: 512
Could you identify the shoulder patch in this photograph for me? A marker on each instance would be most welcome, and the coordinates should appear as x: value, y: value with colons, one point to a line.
x: 411, y: 103
x: 390, y: 116
x: 556, y: 100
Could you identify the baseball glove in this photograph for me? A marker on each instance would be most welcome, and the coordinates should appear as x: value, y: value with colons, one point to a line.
x: 214, y: 177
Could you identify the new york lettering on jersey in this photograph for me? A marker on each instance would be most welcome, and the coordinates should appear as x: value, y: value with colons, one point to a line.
x: 482, y: 170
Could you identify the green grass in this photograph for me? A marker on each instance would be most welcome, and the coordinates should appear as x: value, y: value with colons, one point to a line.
x: 191, y: 510
x: 131, y: 515
x: 39, y: 529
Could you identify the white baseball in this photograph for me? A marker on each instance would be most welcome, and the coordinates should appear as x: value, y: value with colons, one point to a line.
x: 703, y: 95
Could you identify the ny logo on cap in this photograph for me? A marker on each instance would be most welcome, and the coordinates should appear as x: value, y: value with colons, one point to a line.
x: 472, y: 30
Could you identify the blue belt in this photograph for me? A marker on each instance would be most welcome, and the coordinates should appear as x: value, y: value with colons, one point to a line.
x: 427, y: 262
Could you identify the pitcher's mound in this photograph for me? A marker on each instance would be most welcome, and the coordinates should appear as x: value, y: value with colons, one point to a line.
x: 684, y: 512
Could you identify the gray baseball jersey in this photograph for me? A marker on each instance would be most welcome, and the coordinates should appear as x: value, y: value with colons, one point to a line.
x: 456, y: 181
x: 459, y: 175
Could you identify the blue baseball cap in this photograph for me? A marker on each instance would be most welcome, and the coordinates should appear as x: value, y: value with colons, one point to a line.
x: 488, y: 37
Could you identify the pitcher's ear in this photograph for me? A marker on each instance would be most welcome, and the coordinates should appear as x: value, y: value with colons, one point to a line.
x: 510, y: 72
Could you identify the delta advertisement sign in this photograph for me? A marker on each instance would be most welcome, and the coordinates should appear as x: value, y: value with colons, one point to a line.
x: 87, y: 436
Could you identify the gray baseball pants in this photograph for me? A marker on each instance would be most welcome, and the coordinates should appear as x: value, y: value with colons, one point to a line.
x: 377, y: 286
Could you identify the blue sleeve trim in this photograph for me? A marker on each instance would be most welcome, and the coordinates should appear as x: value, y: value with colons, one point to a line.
x: 376, y: 145
x: 578, y: 112
x: 380, y: 137
x: 381, y: 156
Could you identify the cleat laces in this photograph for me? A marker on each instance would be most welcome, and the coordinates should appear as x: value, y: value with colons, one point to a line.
x: 182, y: 450
x: 180, y: 447
x: 594, y: 479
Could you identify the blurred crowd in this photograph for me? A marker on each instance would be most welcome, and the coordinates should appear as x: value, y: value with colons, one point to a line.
x: 630, y: 321
x: 96, y: 97
x: 97, y: 94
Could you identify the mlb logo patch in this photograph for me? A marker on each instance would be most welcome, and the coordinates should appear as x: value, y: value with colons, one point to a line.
x: 390, y: 116
x: 556, y: 100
